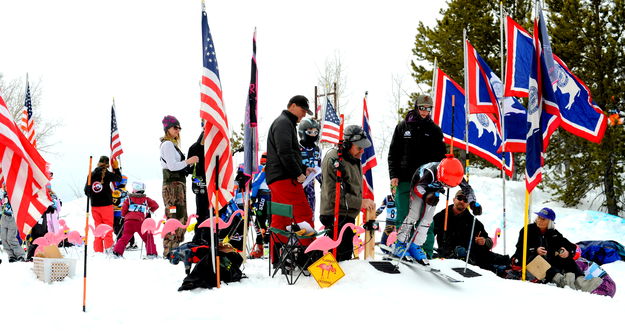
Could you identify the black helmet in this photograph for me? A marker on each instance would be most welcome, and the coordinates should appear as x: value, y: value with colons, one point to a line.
x: 305, y: 124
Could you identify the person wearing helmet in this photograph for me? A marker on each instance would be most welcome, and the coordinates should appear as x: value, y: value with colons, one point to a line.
x: 351, y: 201
x: 427, y: 184
x: 417, y: 140
x: 119, y: 196
x: 135, y: 209
x: 308, y: 131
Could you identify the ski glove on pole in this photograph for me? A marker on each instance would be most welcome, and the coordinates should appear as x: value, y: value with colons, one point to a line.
x: 476, y: 208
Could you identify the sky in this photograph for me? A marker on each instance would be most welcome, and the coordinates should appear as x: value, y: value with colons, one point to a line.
x: 147, y: 56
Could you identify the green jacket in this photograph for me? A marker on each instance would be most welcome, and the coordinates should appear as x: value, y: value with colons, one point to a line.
x: 351, y: 189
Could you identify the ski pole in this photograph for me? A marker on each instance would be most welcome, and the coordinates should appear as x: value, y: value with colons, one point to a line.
x: 470, y: 242
x: 84, y: 278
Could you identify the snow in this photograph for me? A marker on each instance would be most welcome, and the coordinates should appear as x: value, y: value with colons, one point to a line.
x: 135, y: 294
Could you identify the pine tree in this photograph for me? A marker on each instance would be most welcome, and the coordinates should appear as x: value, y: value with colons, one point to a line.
x: 589, y: 36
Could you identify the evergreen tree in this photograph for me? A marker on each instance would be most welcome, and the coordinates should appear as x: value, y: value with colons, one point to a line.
x: 589, y: 36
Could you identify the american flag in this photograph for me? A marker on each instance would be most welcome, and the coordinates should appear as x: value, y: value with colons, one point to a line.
x: 116, y: 143
x: 368, y: 159
x: 216, y: 141
x: 23, y: 171
x: 331, y: 125
x: 28, y: 123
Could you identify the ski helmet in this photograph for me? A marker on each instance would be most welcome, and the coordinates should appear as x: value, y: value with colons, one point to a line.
x: 122, y: 183
x: 138, y: 187
x: 450, y: 171
x: 306, y: 124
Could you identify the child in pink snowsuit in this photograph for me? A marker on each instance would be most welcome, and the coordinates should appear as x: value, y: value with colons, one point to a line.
x: 134, y: 210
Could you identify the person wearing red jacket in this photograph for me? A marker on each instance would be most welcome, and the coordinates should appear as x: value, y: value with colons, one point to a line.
x: 135, y: 209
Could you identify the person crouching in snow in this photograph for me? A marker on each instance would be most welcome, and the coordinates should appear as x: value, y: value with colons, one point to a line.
x: 428, y: 182
x: 134, y: 210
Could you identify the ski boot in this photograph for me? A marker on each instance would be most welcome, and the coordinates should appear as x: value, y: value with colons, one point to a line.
x: 417, y: 253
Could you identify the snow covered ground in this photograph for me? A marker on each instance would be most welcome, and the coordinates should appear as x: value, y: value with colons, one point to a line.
x: 132, y: 294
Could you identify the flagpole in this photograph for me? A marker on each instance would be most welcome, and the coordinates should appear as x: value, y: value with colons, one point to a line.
x: 337, y: 189
x: 502, y: 121
x: 466, y: 104
x: 215, y: 254
x: 84, y: 278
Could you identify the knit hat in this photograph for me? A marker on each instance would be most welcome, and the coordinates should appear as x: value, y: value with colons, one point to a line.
x: 170, y: 121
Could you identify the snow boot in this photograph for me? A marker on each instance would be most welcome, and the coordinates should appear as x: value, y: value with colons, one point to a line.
x: 399, y: 250
x: 258, y: 251
x: 416, y: 252
x: 587, y: 285
x: 558, y: 279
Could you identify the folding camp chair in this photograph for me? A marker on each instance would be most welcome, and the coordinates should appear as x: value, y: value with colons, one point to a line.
x: 287, y: 255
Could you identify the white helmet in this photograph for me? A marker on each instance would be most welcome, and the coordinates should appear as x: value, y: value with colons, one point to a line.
x: 138, y: 187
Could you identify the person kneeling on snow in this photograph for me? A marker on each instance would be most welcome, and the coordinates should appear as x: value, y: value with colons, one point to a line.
x: 461, y: 225
x: 427, y: 183
x: 544, y: 240
x: 134, y: 210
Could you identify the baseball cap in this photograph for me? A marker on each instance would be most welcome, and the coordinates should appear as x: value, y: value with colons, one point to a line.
x: 356, y: 135
x: 547, y: 213
x: 302, y: 102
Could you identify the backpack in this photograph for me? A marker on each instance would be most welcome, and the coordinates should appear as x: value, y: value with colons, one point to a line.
x: 602, y: 252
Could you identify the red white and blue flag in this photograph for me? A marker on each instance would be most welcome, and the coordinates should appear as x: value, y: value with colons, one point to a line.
x: 368, y: 159
x: 212, y: 110
x: 250, y: 139
x: 23, y: 172
x: 484, y: 136
x: 116, y: 143
x: 542, y: 107
x: 331, y: 125
x: 519, y: 54
x: 28, y: 123
x: 482, y: 98
x: 484, y: 85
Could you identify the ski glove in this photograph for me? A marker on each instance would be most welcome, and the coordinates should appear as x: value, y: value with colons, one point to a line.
x: 431, y: 198
x: 476, y: 208
x: 115, y: 163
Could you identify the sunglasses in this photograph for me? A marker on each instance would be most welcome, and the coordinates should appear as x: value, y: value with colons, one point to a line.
x: 177, y: 127
x: 312, y: 132
x: 425, y: 108
x: 462, y: 198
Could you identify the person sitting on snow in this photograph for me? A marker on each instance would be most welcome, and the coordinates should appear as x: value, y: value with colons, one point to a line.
x: 544, y: 240
x: 461, y: 224
x: 427, y: 183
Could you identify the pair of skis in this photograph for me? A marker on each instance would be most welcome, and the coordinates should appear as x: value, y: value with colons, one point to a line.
x: 387, y: 266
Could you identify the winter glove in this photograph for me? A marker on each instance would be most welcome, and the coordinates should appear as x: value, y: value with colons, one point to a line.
x: 431, y: 198
x: 115, y: 163
x: 371, y: 225
x: 476, y: 208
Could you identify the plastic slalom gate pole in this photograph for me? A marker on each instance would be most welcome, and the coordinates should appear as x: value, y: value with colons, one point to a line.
x: 337, y: 191
x: 84, y: 278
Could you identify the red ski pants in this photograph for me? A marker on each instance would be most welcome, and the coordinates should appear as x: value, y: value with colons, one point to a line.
x: 102, y: 215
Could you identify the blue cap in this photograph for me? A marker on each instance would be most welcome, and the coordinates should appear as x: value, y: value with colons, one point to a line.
x: 547, y: 213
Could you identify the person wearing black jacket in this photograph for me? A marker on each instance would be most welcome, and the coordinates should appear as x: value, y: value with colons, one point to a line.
x: 285, y: 170
x: 101, y: 196
x: 544, y: 240
x: 198, y: 186
x: 454, y: 243
x: 417, y: 140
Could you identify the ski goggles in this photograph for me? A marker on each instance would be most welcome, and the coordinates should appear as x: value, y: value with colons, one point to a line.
x: 425, y: 108
x: 462, y: 198
x: 312, y: 132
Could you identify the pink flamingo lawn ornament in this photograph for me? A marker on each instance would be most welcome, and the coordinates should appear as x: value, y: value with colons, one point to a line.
x: 222, y: 224
x: 497, y: 235
x: 101, y: 231
x: 49, y: 239
x: 171, y: 226
x: 391, y: 239
x: 149, y: 226
x: 325, y: 243
x: 74, y: 238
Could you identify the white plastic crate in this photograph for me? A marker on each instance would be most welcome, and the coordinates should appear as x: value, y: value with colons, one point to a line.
x: 53, y: 269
